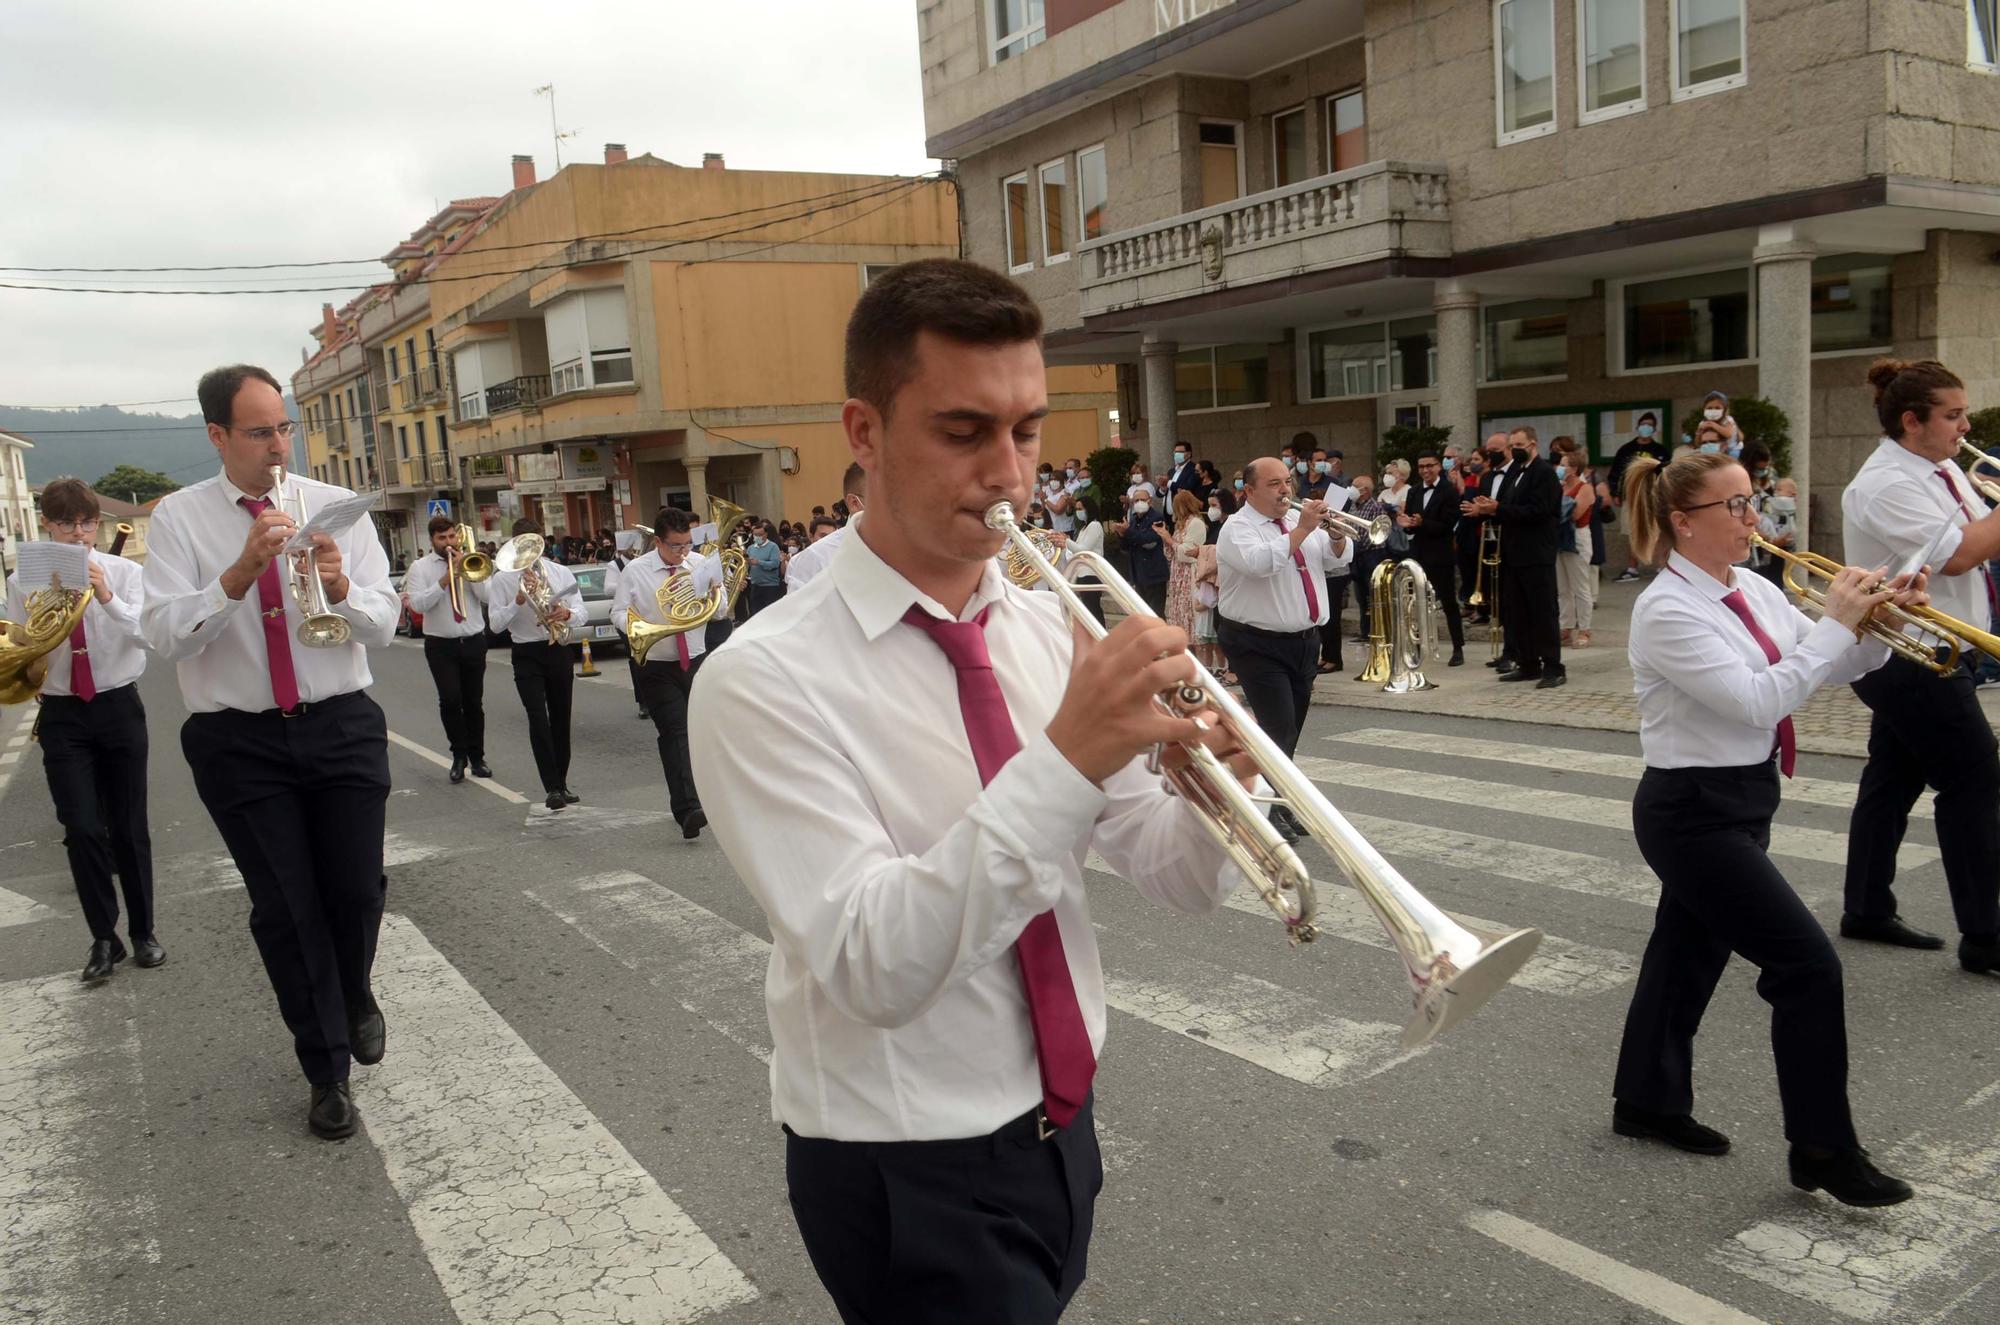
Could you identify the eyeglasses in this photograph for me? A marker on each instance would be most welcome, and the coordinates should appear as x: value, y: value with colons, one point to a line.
x: 1737, y: 506
x: 72, y: 526
x: 265, y: 436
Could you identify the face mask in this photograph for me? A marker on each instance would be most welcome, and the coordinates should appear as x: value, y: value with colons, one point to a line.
x: 1180, y: 457
x: 1450, y: 464
x: 1302, y: 467
x: 1070, y: 473
x: 1388, y: 480
x: 1785, y: 505
x: 1239, y: 485
x: 1735, y: 449
x: 1521, y: 455
x: 1140, y: 508
x: 1215, y: 512
x: 1646, y: 430
x: 1711, y: 448
x: 1712, y: 414
x: 1323, y: 466
x: 760, y: 540
x: 1764, y: 472
x: 1138, y: 478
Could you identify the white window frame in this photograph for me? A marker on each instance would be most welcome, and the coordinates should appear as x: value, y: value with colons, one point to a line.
x: 1303, y: 368
x: 996, y: 42
x: 1042, y: 209
x: 1972, y: 34
x: 1614, y: 338
x: 1501, y: 136
x: 1479, y: 345
x: 1333, y: 100
x: 1305, y: 125
x: 1007, y: 224
x: 1740, y: 78
x: 1210, y: 350
x: 862, y: 268
x: 1871, y: 351
x: 1082, y: 237
x: 1584, y: 114
x: 1242, y: 151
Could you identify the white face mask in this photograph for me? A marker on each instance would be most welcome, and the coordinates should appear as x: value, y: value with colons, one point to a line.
x: 1140, y: 508
x: 1712, y: 414
x: 1215, y: 512
x: 760, y: 540
x: 1388, y: 480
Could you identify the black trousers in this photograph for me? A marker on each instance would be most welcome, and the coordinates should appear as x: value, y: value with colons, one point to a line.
x: 1155, y: 596
x: 1927, y: 731
x: 1093, y: 597
x: 762, y: 596
x: 1705, y: 831
x: 1528, y: 616
x: 545, y: 683
x: 95, y: 758
x: 458, y: 669
x: 1468, y: 566
x: 663, y: 693
x: 300, y: 804
x: 1443, y: 574
x: 1362, y: 571
x: 991, y: 1229
x: 1330, y: 633
x: 1277, y: 674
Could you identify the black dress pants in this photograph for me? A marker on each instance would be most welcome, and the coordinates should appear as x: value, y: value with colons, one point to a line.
x: 1443, y: 573
x: 544, y: 681
x: 1155, y: 596
x: 300, y: 803
x: 458, y: 669
x: 663, y: 693
x: 1529, y: 618
x: 1927, y: 731
x: 95, y: 758
x: 1277, y: 674
x: 1705, y: 832
x: 762, y: 596
x: 1330, y: 634
x: 993, y: 1230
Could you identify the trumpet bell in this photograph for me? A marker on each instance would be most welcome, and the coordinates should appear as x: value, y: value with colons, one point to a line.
x: 518, y: 553
x: 1460, y: 982
x: 475, y: 566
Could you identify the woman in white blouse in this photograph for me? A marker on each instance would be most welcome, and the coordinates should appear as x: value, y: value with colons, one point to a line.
x: 1720, y: 661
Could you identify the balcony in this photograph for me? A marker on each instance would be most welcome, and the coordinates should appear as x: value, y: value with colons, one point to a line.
x: 338, y: 436
x: 380, y: 392
x: 430, y: 383
x: 392, y: 472
x: 437, y: 468
x: 520, y: 393
x: 1386, y: 209
x: 407, y: 396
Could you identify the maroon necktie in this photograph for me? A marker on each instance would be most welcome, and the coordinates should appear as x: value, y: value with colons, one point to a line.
x: 1305, y: 576
x: 277, y: 640
x: 1788, y: 740
x: 81, y: 683
x: 1062, y: 1042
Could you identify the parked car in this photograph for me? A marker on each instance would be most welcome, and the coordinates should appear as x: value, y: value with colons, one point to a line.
x: 597, y: 628
x: 412, y: 623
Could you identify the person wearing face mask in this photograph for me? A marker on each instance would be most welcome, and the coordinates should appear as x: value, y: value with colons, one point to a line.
x: 1207, y: 479
x: 1646, y: 442
x: 767, y: 569
x: 1183, y: 476
x: 1143, y: 536
x: 1318, y: 479
x: 1471, y: 480
x: 1140, y: 486
x: 1528, y: 507
x: 1715, y: 410
x: 1499, y: 470
x: 1365, y: 505
x: 1431, y: 518
x: 1395, y: 487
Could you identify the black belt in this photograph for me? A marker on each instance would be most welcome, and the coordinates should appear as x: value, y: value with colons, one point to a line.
x: 1262, y: 633
x: 102, y: 694
x: 303, y: 707
x: 1025, y: 1132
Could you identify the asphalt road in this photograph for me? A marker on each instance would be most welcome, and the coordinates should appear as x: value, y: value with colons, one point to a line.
x: 572, y: 1123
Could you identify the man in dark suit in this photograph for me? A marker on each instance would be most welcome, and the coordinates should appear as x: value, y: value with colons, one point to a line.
x: 1430, y: 517
x: 1528, y: 505
x: 1182, y: 475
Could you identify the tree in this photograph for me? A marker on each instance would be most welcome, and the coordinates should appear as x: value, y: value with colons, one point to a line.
x: 133, y: 484
x: 1407, y: 441
x: 1985, y: 427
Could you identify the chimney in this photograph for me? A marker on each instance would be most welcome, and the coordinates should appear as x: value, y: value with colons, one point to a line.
x: 711, y: 161
x: 329, y: 325
x: 614, y: 154
x: 524, y: 172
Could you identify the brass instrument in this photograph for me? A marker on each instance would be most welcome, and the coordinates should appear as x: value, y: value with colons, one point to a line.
x: 117, y: 547
x: 1015, y: 565
x: 1342, y: 525
x: 523, y: 554
x: 725, y: 516
x: 1888, y: 622
x: 1452, y: 969
x: 1403, y: 611
x: 320, y: 627
x: 683, y: 608
x: 53, y: 615
x: 1489, y: 556
x: 474, y: 567
x: 1989, y: 487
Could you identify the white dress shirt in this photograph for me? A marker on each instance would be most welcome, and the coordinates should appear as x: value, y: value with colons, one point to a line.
x: 429, y: 598
x: 1896, y: 505
x: 217, y: 642
x: 110, y: 630
x: 1708, y: 698
x: 519, y: 620
x: 639, y: 588
x: 813, y: 558
x: 835, y: 767
x: 1257, y: 582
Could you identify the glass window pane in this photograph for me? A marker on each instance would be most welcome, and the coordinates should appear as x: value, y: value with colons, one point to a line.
x: 1017, y: 223
x: 1288, y: 146
x: 1413, y: 350
x: 1348, y: 361
x: 1093, y: 185
x: 1529, y: 339
x: 1527, y: 64
x: 1986, y: 31
x: 1688, y: 319
x: 1850, y: 303
x: 1194, y: 380
x: 1348, y: 117
x: 1612, y: 72
x: 1242, y: 375
x: 1711, y: 40
x: 1055, y: 188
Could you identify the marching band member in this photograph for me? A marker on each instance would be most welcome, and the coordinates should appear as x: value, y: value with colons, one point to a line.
x: 667, y: 675
x: 542, y: 670
x: 93, y: 736
x: 1927, y: 730
x: 906, y: 763
x: 289, y: 753
x: 817, y: 556
x: 1720, y: 660
x: 454, y: 646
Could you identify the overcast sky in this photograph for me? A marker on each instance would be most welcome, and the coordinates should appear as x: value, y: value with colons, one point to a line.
x: 141, y: 134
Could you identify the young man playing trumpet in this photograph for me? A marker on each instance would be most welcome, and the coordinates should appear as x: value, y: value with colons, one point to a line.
x: 454, y: 644
x: 543, y: 675
x: 93, y: 737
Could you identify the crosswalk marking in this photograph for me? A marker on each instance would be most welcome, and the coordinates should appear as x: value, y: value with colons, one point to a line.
x: 431, y: 756
x: 1828, y: 848
x: 527, y: 1206
x: 1642, y: 1288
x: 18, y: 910
x: 1812, y: 791
x: 1504, y: 858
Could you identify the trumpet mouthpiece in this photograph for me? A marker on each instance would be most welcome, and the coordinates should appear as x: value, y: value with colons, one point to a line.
x: 999, y: 515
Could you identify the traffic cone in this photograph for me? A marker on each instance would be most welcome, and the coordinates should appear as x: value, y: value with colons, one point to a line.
x: 589, y: 667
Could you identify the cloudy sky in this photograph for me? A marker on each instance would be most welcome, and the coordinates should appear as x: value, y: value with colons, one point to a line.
x: 206, y: 132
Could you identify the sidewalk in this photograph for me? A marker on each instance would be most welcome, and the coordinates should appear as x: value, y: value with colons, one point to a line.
x: 1599, y: 693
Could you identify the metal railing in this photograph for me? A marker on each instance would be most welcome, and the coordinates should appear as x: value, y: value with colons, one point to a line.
x: 519, y: 393
x: 392, y: 472
x: 381, y: 393
x: 437, y: 467
x: 430, y: 382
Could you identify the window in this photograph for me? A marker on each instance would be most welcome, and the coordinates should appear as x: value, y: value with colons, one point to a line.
x: 1348, y: 361
x: 1054, y: 179
x: 423, y: 443
x: 395, y: 373
x: 1221, y: 377
x: 431, y: 346
x: 1708, y: 46
x: 1346, y: 130
x: 1524, y: 52
x: 1092, y: 188
x: 1017, y: 25
x: 444, y: 438
x: 589, y: 345
x: 466, y: 368
x: 1221, y: 162
x: 403, y: 442
x: 1686, y: 320
x: 1529, y: 339
x: 1982, y: 19
x: 410, y: 355
x: 873, y: 271
x: 1014, y: 197
x: 1288, y: 147
x: 1850, y: 303
x: 1611, y: 57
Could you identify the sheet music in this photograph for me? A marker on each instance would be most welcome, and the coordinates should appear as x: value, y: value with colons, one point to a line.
x: 333, y: 519
x: 43, y: 563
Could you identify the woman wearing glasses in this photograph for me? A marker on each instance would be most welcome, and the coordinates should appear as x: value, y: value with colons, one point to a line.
x: 1720, y: 660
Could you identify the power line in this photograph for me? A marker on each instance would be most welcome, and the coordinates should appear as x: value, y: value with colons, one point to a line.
x: 32, y: 433
x: 103, y: 404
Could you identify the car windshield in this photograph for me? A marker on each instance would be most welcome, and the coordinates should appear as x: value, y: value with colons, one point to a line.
x: 590, y: 580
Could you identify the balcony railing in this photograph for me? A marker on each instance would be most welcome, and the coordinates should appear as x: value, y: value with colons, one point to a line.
x: 338, y: 438
x: 430, y: 383
x: 407, y: 397
x: 381, y: 394
x: 392, y: 472
x: 1383, y: 209
x: 520, y: 393
x: 437, y: 467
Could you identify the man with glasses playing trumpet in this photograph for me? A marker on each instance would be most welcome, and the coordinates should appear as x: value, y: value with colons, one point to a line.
x: 447, y: 587
x: 289, y: 753
x: 534, y: 600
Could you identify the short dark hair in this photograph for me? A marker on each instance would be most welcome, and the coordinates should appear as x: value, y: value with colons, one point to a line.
x: 820, y: 522
x: 440, y: 523
x: 526, y: 526
x: 1526, y: 430
x: 68, y: 498
x: 855, y: 480
x: 672, y: 520
x: 1429, y: 455
x: 218, y: 387
x: 948, y: 297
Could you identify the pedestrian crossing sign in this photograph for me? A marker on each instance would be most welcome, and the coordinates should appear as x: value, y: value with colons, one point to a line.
x: 437, y: 506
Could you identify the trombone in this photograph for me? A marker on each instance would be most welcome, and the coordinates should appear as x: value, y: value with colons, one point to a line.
x: 1888, y: 623
x: 1452, y: 970
x: 1342, y: 525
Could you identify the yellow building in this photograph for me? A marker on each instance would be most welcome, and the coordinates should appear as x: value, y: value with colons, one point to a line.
x: 638, y: 334
x: 333, y: 394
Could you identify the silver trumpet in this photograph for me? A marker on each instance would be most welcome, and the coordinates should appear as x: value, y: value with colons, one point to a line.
x: 1452, y: 970
x: 321, y: 627
x: 1372, y: 532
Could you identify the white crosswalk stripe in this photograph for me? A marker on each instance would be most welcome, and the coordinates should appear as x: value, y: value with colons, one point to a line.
x: 1504, y: 858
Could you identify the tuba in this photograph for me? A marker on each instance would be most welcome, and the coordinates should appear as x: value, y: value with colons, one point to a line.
x: 1403, y: 611
x: 53, y: 615
x: 321, y: 626
x: 1452, y: 970
x: 522, y: 553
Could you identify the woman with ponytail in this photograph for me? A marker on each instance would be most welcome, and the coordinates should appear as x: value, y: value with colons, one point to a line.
x: 1720, y: 660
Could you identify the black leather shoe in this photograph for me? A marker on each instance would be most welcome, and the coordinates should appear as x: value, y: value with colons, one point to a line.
x: 480, y: 770
x: 104, y: 954
x: 1981, y: 957
x: 570, y: 797
x: 555, y: 801
x: 1678, y: 1130
x: 457, y: 769
x: 1551, y: 680
x: 147, y: 952
x: 1848, y: 1177
x: 366, y: 1034
x: 693, y: 824
x: 1457, y: 658
x: 1282, y: 822
x: 1887, y: 929
x: 332, y: 1114
x: 1520, y: 674
x: 1502, y: 663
